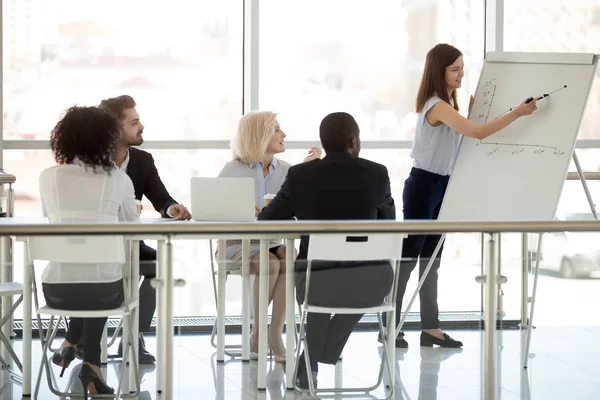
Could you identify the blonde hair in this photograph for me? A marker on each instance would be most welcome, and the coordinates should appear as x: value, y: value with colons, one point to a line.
x: 254, y: 132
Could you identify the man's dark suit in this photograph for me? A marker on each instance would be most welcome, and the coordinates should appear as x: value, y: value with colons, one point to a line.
x: 147, y: 182
x: 339, y: 187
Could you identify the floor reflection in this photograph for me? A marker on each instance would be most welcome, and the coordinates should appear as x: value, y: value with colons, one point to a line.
x: 569, y: 371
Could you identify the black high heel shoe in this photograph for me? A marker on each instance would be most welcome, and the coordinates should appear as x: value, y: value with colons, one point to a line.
x: 63, y: 357
x: 429, y: 340
x: 92, y: 382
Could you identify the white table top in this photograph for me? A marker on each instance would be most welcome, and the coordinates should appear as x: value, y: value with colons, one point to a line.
x: 39, y: 220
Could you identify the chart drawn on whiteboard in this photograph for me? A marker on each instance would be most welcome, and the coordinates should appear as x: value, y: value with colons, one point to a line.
x: 489, y: 93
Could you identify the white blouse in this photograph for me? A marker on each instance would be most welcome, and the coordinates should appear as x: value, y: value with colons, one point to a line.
x: 434, y: 147
x: 75, y: 193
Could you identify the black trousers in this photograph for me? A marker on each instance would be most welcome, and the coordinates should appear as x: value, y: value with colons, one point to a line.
x: 422, y: 197
x: 85, y: 296
x: 339, y: 285
x: 147, y: 299
x: 147, y: 292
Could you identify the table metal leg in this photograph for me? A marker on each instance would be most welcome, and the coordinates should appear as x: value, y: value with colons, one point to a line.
x: 290, y: 312
x: 164, y: 328
x: 160, y: 267
x: 134, y: 294
x: 6, y: 275
x: 524, y: 280
x: 27, y: 294
x: 166, y: 319
x: 263, y: 310
x: 491, y: 283
x: 103, y: 346
x: 221, y: 282
x: 245, y: 299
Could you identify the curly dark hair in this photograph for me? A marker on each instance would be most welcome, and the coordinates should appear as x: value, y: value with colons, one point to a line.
x: 88, y: 134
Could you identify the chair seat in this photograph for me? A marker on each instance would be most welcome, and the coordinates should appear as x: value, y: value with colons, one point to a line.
x: 346, y: 310
x: 11, y: 288
x: 46, y: 310
x: 233, y: 268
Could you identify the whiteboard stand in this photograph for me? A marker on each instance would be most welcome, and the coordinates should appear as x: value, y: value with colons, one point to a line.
x: 526, y: 323
x: 421, y: 280
x: 585, y: 186
x: 537, y: 262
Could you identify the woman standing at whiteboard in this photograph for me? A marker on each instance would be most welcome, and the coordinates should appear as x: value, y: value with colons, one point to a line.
x: 435, y: 146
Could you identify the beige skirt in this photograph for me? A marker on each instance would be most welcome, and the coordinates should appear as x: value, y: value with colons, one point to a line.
x: 233, y: 252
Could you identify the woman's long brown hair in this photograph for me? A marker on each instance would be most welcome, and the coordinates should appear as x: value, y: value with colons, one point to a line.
x: 433, y: 81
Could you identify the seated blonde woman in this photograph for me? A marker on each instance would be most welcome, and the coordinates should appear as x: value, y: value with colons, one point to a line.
x: 258, y: 139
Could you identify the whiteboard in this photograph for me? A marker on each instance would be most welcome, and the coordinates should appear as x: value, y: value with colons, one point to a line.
x: 518, y: 173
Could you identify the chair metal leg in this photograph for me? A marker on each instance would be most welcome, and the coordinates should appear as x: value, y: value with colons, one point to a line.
x: 12, y: 353
x: 59, y: 321
x: 385, y: 364
x: 237, y: 349
x: 4, y: 365
x: 311, y: 384
x: 4, y: 339
x: 222, y: 277
x: 103, y: 346
x: 45, y: 363
x: 118, y: 329
x: 116, y: 333
x: 298, y: 348
x: 128, y: 346
x: 41, y: 370
x: 52, y: 384
x: 12, y: 309
x: 39, y: 318
x: 124, y: 362
x: 386, y: 357
x: 228, y: 347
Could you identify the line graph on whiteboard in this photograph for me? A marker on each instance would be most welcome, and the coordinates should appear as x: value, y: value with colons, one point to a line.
x: 517, y: 149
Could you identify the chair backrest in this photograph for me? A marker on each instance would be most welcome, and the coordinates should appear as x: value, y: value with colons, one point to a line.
x: 77, y: 249
x: 223, y: 199
x: 342, y: 247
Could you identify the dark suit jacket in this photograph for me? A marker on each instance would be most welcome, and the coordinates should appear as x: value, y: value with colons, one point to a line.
x: 146, y: 181
x: 338, y: 187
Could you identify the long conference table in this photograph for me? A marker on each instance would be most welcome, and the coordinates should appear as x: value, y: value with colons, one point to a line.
x: 165, y: 232
x: 164, y: 283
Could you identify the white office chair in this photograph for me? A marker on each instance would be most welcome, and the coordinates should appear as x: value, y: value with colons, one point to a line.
x: 339, y: 247
x: 232, y: 350
x: 106, y: 343
x: 10, y: 289
x: 85, y: 250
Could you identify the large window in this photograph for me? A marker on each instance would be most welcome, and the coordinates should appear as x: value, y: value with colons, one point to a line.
x: 366, y: 58
x: 560, y: 26
x: 557, y: 26
x: 181, y: 62
x: 362, y: 57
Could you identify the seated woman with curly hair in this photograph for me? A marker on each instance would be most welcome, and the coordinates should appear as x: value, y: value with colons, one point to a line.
x: 85, y: 186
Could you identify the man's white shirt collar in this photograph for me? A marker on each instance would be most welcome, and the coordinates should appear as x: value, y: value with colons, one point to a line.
x: 123, y: 166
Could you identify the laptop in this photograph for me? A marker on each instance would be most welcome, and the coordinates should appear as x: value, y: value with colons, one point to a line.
x: 223, y: 199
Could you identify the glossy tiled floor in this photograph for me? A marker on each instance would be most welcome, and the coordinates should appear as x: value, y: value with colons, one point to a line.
x: 565, y: 364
